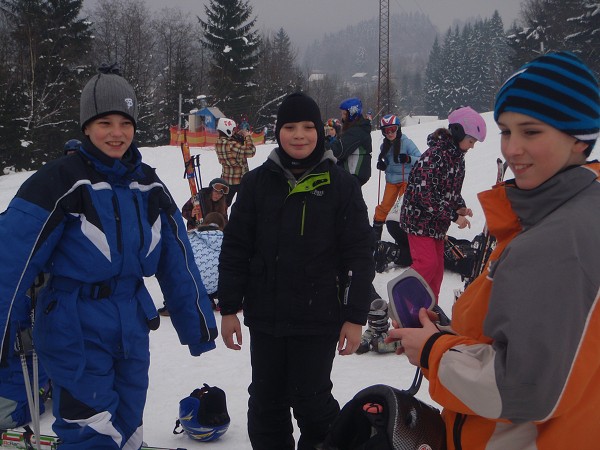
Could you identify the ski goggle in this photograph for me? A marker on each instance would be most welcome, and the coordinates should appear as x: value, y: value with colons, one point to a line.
x: 408, y: 293
x: 222, y: 188
x: 390, y: 130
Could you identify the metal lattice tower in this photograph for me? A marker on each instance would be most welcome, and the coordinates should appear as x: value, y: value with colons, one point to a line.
x: 383, y: 85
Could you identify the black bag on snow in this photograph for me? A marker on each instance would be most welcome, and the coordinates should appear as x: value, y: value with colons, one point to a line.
x: 381, y: 417
x: 459, y: 256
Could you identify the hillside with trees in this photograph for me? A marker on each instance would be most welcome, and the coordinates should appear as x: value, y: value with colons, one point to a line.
x: 50, y: 48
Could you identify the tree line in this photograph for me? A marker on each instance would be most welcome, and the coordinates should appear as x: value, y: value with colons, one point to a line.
x: 50, y: 48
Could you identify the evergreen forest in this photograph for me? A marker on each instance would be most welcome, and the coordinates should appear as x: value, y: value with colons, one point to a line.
x: 50, y: 48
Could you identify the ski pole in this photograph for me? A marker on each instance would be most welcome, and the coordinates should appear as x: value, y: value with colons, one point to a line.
x: 379, y: 188
x: 27, y: 381
x: 198, y: 179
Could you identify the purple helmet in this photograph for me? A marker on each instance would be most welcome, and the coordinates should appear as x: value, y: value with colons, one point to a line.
x: 466, y: 121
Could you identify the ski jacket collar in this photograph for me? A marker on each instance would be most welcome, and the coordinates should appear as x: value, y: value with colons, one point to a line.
x: 533, y: 205
x: 509, y: 210
x: 293, y: 180
x: 129, y: 166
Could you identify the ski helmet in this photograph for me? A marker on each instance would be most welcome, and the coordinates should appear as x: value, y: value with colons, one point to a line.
x: 354, y: 107
x: 335, y: 124
x: 466, y: 121
x: 389, y: 120
x: 227, y: 126
x: 203, y: 415
x: 72, y: 145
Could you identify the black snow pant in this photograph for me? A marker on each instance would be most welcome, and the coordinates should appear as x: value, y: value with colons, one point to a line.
x: 290, y: 372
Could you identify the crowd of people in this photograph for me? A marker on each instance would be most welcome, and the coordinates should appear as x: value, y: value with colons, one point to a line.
x: 290, y: 246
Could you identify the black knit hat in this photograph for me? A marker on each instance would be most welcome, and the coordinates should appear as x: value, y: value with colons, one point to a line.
x: 107, y: 93
x: 558, y: 89
x: 299, y: 107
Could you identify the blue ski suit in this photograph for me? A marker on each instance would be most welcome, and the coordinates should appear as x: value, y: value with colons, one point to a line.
x: 98, y: 226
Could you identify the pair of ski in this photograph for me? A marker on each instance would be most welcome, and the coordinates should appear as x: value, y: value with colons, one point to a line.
x: 192, y: 174
x: 25, y: 440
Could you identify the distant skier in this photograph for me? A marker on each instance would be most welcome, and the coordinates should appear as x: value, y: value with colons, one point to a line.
x: 233, y: 148
x: 353, y: 147
x: 398, y: 154
x: 212, y: 199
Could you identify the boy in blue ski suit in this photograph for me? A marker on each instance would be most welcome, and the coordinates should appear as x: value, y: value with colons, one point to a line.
x: 97, y: 222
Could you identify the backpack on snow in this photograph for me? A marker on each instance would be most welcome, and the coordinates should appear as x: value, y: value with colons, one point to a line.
x: 459, y: 256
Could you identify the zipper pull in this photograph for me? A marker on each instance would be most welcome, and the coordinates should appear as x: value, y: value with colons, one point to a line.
x: 347, y: 290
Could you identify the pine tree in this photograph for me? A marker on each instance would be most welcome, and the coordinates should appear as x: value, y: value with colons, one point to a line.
x: 434, y: 79
x: 277, y: 75
x: 50, y: 40
x: 554, y: 25
x: 230, y: 36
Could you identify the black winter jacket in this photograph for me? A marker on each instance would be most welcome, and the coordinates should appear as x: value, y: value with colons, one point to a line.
x: 353, y: 149
x: 288, y: 249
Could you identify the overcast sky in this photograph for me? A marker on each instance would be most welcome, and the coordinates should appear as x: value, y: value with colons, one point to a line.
x: 308, y: 20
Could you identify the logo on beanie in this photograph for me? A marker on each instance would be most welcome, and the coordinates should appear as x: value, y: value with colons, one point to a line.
x: 129, y: 103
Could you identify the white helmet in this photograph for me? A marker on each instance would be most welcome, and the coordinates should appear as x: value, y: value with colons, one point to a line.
x: 226, y: 126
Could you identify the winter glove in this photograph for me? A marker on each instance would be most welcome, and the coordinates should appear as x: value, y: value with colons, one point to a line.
x: 404, y: 158
x: 381, y: 165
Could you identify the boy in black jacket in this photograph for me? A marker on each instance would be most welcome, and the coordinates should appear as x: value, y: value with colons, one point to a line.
x: 297, y: 258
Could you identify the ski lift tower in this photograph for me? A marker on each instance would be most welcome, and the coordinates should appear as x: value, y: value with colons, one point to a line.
x: 383, y: 84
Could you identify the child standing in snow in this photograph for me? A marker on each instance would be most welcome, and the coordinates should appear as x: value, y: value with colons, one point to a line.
x: 297, y: 257
x: 397, y: 156
x: 432, y: 199
x: 99, y: 221
x: 522, y: 370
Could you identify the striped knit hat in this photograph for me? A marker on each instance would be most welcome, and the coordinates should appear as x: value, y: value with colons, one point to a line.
x: 557, y: 89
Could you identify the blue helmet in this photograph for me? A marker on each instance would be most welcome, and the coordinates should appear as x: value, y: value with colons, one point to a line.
x: 72, y: 145
x: 354, y: 107
x: 203, y: 415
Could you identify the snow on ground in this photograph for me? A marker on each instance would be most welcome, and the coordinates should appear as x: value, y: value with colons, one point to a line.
x: 174, y: 373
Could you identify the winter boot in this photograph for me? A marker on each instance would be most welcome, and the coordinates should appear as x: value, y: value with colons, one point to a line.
x: 378, y: 229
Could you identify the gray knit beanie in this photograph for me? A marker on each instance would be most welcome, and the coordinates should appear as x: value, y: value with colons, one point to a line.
x: 107, y: 93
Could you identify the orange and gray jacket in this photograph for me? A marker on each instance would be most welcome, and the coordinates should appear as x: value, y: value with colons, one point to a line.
x: 524, y: 370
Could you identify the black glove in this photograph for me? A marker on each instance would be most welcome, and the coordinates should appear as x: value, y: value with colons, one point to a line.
x: 404, y: 158
x: 381, y: 165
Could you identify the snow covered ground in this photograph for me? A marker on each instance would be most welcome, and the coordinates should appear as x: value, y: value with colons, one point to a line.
x: 174, y: 373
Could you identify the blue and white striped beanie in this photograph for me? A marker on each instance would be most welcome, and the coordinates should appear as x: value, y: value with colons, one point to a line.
x: 557, y: 89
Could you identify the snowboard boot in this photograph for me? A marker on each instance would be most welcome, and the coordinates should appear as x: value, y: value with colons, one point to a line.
x: 377, y: 229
